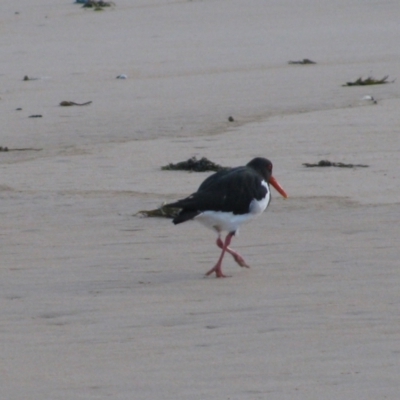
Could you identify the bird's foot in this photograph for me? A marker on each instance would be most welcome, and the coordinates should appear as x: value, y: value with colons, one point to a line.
x: 240, y: 260
x: 218, y: 272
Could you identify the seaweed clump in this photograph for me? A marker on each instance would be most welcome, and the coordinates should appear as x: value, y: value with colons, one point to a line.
x: 193, y: 164
x: 369, y: 81
x: 327, y: 163
x: 97, y: 5
x: 304, y: 61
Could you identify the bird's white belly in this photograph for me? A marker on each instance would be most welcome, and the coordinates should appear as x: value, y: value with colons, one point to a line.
x: 223, y: 221
x: 227, y: 221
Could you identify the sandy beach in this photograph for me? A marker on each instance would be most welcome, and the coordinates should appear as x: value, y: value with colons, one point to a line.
x: 97, y: 302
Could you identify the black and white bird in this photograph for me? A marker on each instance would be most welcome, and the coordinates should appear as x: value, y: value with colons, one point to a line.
x: 227, y: 199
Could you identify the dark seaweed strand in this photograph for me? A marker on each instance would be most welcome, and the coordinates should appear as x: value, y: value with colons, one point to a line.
x: 327, y: 163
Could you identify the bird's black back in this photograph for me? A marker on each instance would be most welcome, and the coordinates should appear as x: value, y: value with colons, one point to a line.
x: 228, y: 191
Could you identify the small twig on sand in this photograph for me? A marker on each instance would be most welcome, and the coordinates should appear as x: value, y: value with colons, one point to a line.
x: 4, y: 149
x: 72, y: 103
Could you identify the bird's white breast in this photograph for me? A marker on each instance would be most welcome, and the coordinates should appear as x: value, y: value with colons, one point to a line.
x: 258, y: 206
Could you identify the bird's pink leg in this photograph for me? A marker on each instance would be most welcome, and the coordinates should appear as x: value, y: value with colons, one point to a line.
x: 217, y: 269
x: 236, y: 256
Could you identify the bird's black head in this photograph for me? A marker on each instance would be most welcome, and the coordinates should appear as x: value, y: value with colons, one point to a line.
x: 262, y: 166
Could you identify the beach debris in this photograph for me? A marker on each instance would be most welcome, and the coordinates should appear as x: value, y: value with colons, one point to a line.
x: 72, y: 103
x: 195, y: 165
x: 26, y: 78
x: 369, y: 81
x: 304, y: 61
x: 122, y: 76
x: 370, y: 98
x: 36, y: 116
x: 5, y: 148
x: 18, y: 109
x: 163, y: 212
x: 327, y: 163
x: 97, y: 5
x: 231, y: 119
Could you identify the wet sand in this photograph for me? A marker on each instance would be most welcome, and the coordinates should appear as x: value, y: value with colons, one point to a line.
x: 97, y: 302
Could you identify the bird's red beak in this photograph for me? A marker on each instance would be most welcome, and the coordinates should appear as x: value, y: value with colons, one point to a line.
x: 278, y: 187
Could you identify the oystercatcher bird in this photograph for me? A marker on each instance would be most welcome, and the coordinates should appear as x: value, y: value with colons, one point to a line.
x: 227, y: 199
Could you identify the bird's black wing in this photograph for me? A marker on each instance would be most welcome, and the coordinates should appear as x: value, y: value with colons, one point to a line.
x: 228, y: 191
